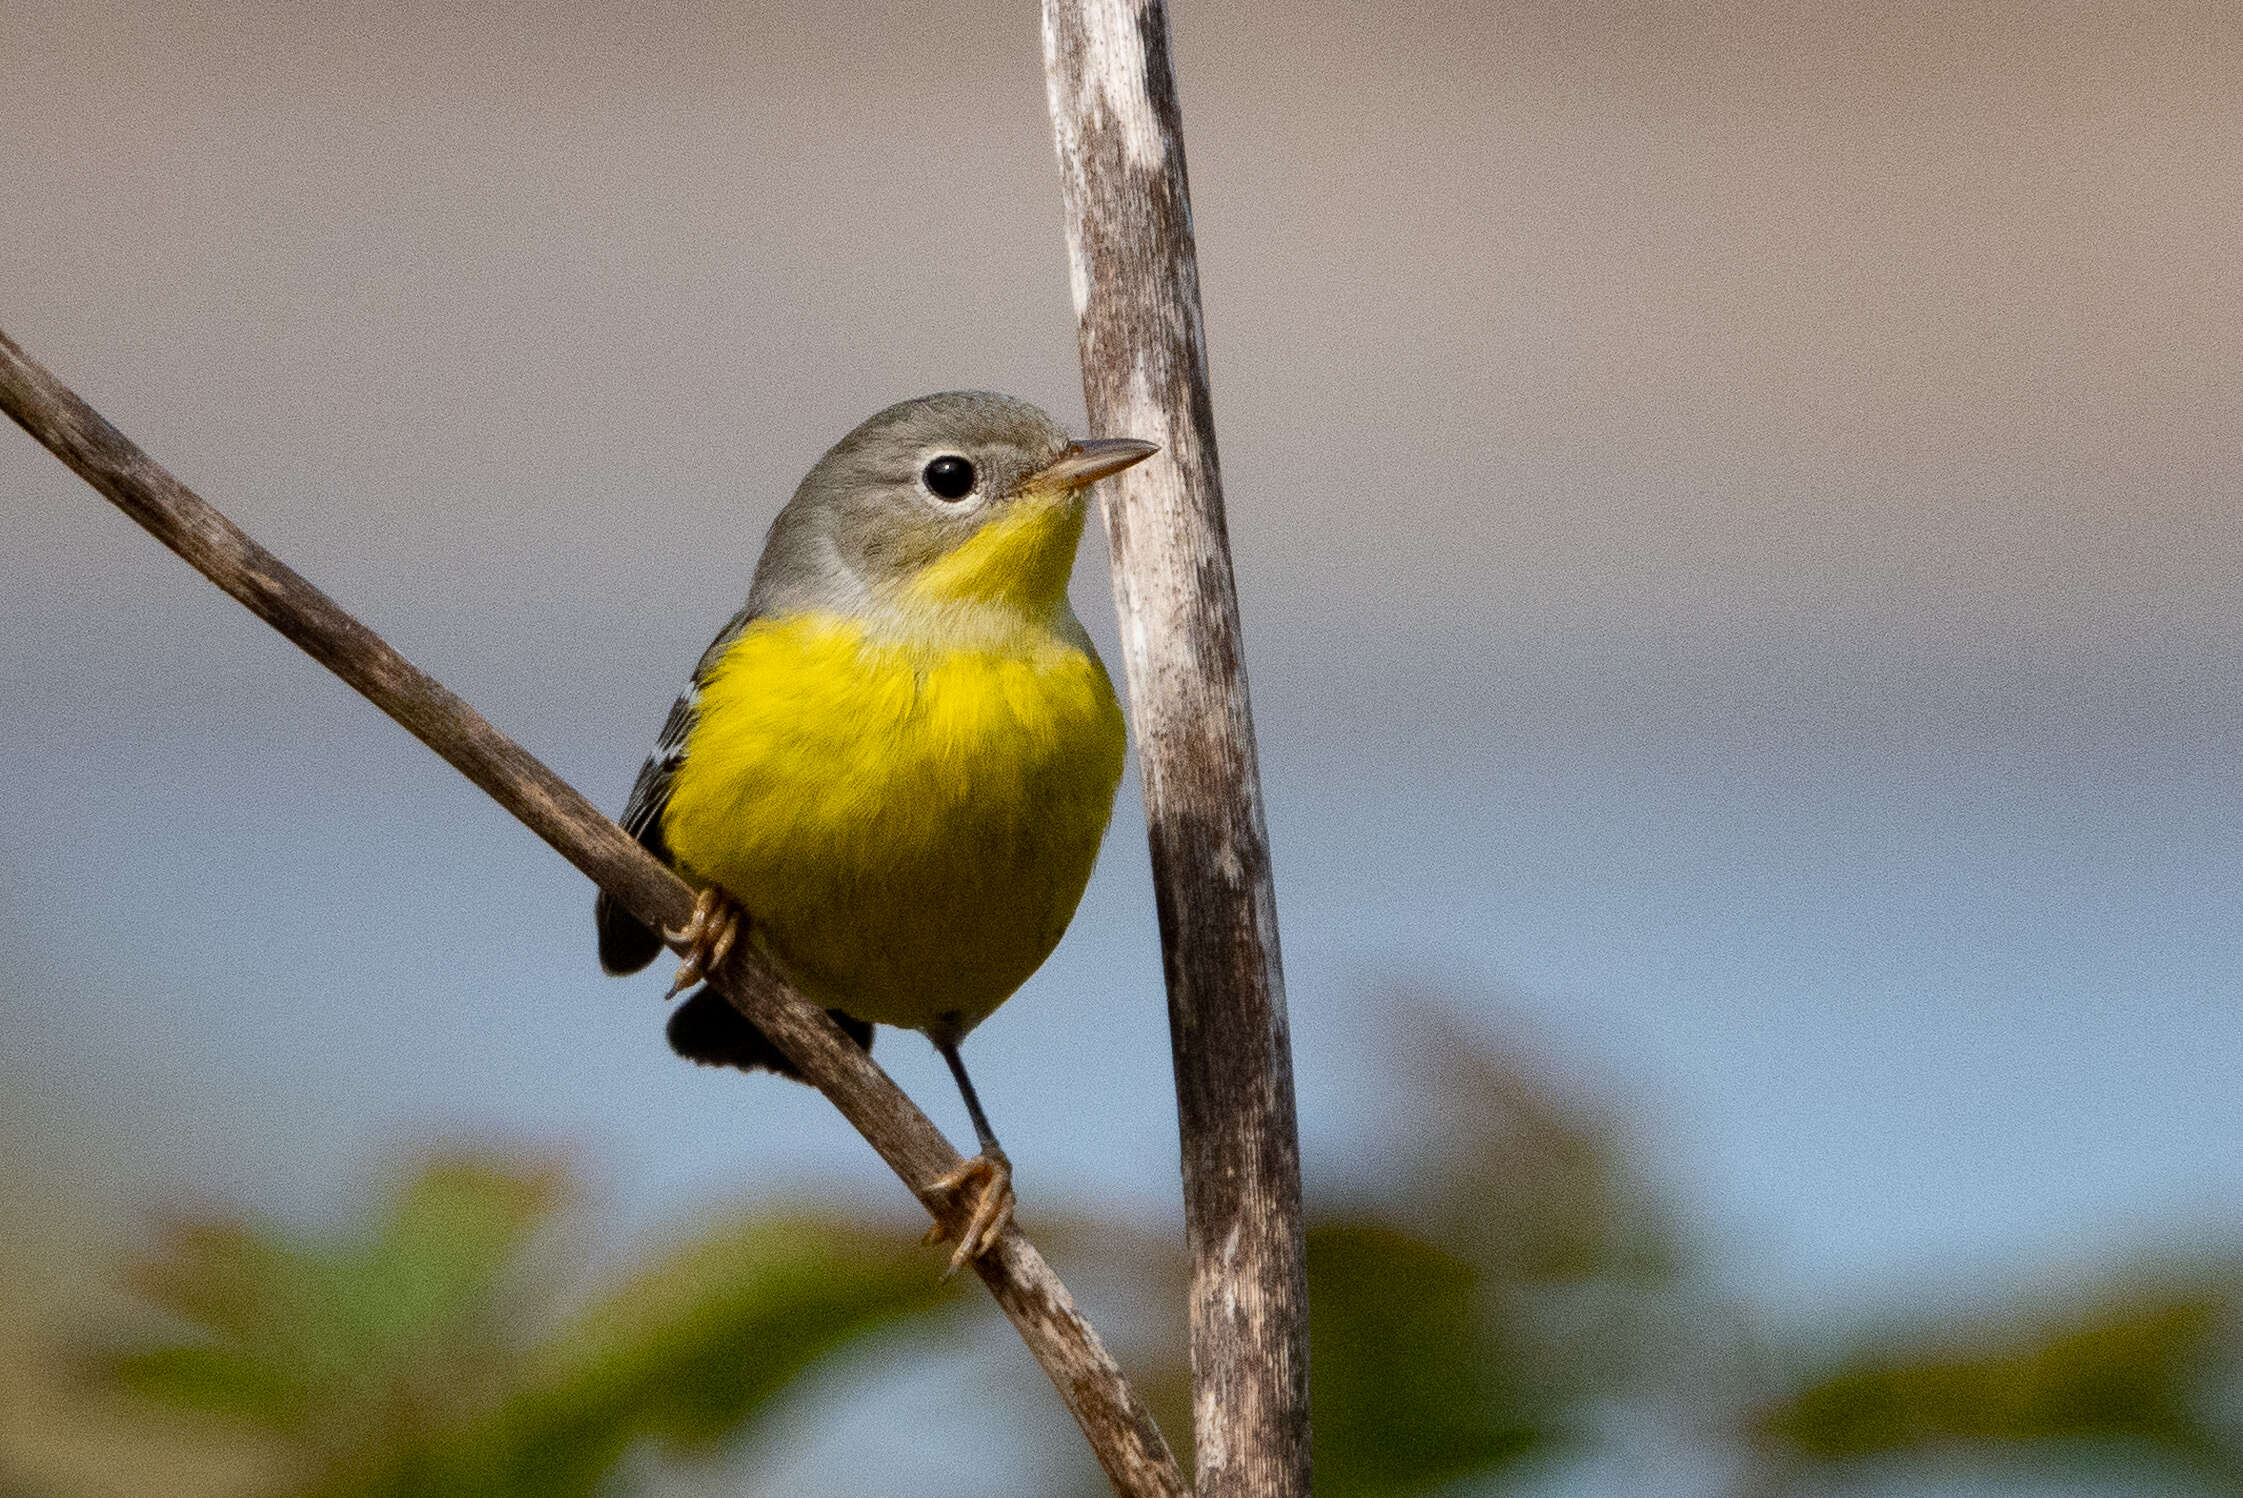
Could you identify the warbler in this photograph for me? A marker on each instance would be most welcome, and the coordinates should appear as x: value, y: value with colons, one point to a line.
x: 894, y: 766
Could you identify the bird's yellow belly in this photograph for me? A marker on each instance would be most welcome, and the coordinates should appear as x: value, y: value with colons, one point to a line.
x: 909, y: 827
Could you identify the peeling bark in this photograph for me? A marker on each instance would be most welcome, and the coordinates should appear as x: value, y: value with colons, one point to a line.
x: 1135, y: 276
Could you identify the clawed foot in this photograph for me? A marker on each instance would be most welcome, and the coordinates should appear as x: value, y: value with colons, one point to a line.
x: 708, y: 937
x: 992, y: 1214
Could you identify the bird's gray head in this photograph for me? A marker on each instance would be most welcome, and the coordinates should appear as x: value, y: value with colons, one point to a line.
x: 963, y: 496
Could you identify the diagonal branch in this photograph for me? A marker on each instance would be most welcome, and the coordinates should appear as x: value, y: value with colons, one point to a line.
x: 1121, y: 1432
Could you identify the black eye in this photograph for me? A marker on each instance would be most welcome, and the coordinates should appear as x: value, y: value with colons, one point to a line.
x: 950, y: 476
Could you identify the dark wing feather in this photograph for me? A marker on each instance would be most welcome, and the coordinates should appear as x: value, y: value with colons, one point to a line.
x: 626, y: 943
x: 705, y: 1028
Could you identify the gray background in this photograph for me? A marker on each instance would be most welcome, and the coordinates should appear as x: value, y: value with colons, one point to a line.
x: 1736, y: 512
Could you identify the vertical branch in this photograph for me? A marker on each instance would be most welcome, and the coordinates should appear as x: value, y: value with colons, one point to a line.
x: 1144, y: 357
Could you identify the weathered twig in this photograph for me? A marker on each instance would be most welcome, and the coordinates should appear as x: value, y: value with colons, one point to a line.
x: 1121, y: 1432
x: 1144, y: 357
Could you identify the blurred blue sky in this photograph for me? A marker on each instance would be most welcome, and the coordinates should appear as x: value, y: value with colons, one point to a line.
x: 1736, y: 515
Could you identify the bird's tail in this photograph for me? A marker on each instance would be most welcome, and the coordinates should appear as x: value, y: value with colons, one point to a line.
x: 707, y: 1029
x: 626, y: 943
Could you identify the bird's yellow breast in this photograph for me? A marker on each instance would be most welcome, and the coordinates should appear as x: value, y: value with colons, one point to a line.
x: 909, y: 824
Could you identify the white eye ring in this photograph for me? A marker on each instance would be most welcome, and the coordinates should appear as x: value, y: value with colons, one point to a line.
x: 949, y: 477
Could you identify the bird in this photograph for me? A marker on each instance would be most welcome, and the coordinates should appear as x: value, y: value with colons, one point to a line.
x: 891, y: 771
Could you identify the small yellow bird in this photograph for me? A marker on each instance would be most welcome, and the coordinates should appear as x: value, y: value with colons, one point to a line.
x: 894, y: 766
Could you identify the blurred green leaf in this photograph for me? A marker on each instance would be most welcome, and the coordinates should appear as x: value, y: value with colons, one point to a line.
x: 1517, y: 1174
x: 213, y: 1381
x: 688, y: 1351
x: 448, y: 1244
x: 1411, y: 1388
x: 327, y: 1342
x: 2138, y: 1366
x: 430, y: 1355
x: 669, y: 1342
x: 1487, y: 1298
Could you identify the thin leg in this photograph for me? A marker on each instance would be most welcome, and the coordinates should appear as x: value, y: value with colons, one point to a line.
x: 993, y: 1212
x: 983, y: 1134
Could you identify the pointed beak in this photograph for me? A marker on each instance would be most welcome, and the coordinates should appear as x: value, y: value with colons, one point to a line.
x: 1092, y: 459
